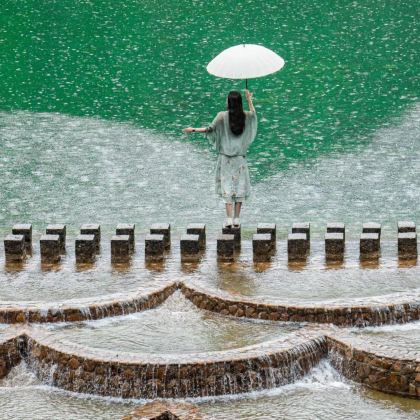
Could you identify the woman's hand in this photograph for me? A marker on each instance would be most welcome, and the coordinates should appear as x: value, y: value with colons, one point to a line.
x: 248, y: 94
x: 188, y: 130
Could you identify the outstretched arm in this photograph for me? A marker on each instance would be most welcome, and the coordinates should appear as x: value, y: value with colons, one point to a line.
x: 189, y: 130
x: 248, y: 95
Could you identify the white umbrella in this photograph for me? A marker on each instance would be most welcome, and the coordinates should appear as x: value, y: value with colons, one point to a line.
x: 245, y: 61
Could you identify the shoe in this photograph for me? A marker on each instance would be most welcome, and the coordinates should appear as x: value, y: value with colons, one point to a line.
x: 228, y: 222
x: 236, y: 221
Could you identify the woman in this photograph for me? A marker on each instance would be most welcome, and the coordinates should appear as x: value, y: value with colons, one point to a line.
x: 231, y: 132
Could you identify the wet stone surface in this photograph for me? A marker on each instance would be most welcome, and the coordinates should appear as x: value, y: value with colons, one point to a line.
x: 200, y: 230
x: 85, y: 248
x: 162, y: 229
x: 95, y: 230
x: 297, y: 246
x: 50, y: 247
x: 127, y: 229
x: 407, y: 245
x: 14, y: 248
x: 61, y: 231
x: 121, y: 248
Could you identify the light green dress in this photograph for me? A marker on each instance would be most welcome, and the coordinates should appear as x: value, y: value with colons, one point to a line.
x: 232, y: 174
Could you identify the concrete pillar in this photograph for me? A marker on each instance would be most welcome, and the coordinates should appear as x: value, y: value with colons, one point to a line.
x: 334, y: 246
x: 226, y: 247
x: 372, y: 227
x: 50, y: 246
x: 407, y: 245
x: 262, y: 247
x: 95, y: 230
x: 154, y: 247
x: 406, y: 227
x: 120, y: 248
x: 236, y: 232
x: 200, y: 230
x: 297, y: 246
x: 24, y: 229
x: 369, y: 246
x: 60, y: 230
x: 271, y: 229
x: 304, y: 228
x: 15, y: 248
x: 190, y: 247
x: 86, y: 248
x: 337, y: 227
x: 165, y: 230
x: 127, y: 229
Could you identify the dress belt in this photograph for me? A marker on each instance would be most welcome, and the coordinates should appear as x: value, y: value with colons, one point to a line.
x: 224, y: 154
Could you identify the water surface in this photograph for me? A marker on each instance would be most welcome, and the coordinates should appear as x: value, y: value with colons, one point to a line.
x: 176, y: 327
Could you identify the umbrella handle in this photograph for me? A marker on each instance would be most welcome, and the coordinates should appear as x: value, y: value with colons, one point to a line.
x: 246, y: 84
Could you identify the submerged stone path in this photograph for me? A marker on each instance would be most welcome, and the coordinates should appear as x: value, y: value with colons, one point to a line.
x: 158, y: 241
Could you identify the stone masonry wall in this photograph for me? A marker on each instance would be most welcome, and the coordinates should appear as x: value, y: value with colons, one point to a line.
x: 342, y: 316
x: 219, y: 374
x: 9, y: 354
x: 374, y: 370
x: 99, y: 310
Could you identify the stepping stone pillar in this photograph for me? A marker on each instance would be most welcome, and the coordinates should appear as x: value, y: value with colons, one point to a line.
x: 120, y: 248
x: 407, y: 245
x: 200, y: 230
x: 24, y: 229
x: 162, y: 229
x: 226, y: 247
x: 154, y: 247
x: 190, y: 247
x: 15, y: 248
x: 369, y: 246
x: 406, y: 227
x: 372, y: 227
x: 86, y: 248
x: 337, y: 227
x: 60, y: 230
x: 297, y: 246
x: 262, y: 247
x: 95, y: 230
x: 235, y: 231
x: 304, y: 228
x: 127, y: 229
x: 271, y: 229
x: 334, y: 246
x: 50, y: 246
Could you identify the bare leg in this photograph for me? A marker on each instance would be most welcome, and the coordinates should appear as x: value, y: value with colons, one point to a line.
x: 229, y: 209
x: 238, y: 206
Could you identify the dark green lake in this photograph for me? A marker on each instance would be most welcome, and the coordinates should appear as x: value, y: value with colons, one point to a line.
x: 350, y: 68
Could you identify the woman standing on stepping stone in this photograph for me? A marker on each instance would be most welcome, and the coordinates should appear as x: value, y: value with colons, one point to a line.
x: 231, y: 132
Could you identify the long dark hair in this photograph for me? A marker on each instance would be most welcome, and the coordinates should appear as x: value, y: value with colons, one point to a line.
x: 236, y: 113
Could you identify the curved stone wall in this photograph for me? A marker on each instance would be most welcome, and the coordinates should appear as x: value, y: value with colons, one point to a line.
x: 94, y: 309
x: 400, y: 310
x: 360, y: 315
x: 266, y: 365
x: 80, y: 369
x: 374, y: 369
x: 10, y: 352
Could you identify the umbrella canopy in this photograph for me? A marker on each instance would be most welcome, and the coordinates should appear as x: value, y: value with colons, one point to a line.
x: 245, y: 61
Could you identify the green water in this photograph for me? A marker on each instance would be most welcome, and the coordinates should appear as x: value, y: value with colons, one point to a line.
x: 350, y: 68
